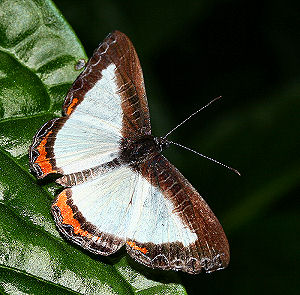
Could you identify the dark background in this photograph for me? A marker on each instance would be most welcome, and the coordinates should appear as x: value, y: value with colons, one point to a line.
x: 248, y: 52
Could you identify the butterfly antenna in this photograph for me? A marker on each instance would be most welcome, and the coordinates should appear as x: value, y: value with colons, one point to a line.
x: 189, y: 117
x: 206, y: 157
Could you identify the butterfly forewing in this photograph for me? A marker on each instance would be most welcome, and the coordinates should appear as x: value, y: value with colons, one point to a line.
x: 117, y: 53
x: 110, y: 102
x: 119, y: 188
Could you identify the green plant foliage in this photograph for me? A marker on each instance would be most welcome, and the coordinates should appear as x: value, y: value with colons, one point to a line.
x: 248, y: 52
x: 38, y: 54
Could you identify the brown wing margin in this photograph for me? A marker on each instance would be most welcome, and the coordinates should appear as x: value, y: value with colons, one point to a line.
x: 76, y: 228
x: 209, y: 252
x: 41, y: 153
x: 118, y: 49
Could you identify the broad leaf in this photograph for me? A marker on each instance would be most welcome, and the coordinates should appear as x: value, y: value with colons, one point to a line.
x: 38, y: 54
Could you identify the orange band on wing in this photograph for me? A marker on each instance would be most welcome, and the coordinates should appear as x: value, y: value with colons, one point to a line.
x: 135, y: 247
x: 68, y: 216
x: 44, y: 162
x: 71, y: 106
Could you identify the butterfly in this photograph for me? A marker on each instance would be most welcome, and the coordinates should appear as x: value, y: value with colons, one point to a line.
x: 118, y: 187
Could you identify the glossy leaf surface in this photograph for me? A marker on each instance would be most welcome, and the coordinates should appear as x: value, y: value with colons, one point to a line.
x: 38, y: 54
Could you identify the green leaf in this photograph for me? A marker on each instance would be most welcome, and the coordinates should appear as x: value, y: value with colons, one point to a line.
x: 38, y: 54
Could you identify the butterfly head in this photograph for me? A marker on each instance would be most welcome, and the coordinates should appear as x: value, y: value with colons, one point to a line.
x: 142, y: 149
x: 162, y: 143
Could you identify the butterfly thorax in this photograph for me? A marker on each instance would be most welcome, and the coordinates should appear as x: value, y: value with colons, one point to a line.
x: 142, y: 149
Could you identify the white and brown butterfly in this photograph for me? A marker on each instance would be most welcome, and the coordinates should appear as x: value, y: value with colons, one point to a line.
x: 119, y: 189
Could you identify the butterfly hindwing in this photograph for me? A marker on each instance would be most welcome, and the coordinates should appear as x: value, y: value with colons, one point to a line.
x: 96, y: 214
x: 153, y: 209
x: 176, y: 228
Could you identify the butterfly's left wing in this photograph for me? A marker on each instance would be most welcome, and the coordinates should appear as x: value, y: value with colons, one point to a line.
x: 116, y: 53
x: 174, y: 228
x: 106, y: 103
x: 96, y: 214
x: 152, y: 209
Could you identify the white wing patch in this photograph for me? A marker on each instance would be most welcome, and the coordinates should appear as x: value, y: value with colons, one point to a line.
x: 106, y: 201
x: 92, y: 133
x: 154, y: 220
x: 103, y: 103
x: 123, y: 203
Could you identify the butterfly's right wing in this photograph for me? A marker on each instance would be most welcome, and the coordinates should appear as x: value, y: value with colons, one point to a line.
x: 174, y: 228
x: 106, y: 103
